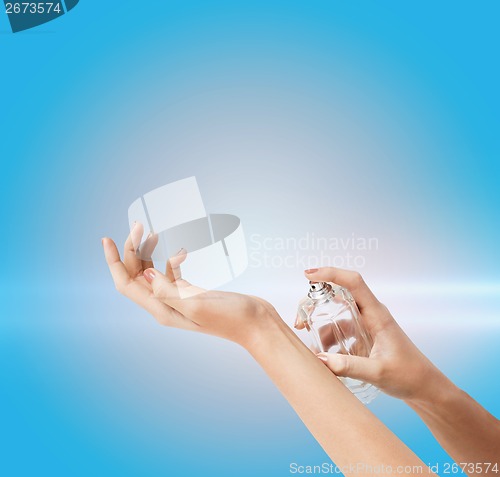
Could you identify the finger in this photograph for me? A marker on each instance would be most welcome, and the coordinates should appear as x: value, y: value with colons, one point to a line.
x: 174, y: 265
x: 182, y: 298
x: 131, y: 260
x: 123, y: 281
x: 119, y: 272
x: 351, y: 280
x: 299, y: 323
x: 147, y: 249
x: 336, y: 333
x: 139, y: 293
x: 356, y: 367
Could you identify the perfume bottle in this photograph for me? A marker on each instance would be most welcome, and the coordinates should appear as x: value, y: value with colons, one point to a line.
x: 331, y: 315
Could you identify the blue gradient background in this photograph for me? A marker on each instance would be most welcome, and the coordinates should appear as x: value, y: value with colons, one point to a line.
x: 332, y: 117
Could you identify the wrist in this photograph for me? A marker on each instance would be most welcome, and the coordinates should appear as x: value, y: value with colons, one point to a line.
x: 265, y: 327
x: 439, y: 391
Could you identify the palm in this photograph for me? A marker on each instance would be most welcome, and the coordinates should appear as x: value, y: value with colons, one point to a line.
x: 175, y: 302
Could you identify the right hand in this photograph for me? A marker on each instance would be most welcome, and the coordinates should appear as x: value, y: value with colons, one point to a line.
x: 395, y: 365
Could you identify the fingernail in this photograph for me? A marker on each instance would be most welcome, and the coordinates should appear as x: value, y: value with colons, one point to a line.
x: 181, y: 251
x: 134, y: 224
x: 102, y: 241
x: 149, y: 275
x: 322, y: 357
x: 311, y: 270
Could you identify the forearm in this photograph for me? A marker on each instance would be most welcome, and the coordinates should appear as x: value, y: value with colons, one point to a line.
x: 347, y: 430
x: 469, y: 433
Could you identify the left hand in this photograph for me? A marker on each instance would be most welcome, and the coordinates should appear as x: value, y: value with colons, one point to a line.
x: 233, y: 316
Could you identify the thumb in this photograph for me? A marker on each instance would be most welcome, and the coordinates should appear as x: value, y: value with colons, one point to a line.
x: 162, y: 287
x: 356, y: 367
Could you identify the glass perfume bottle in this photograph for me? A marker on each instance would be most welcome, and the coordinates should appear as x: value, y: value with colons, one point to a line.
x: 331, y: 315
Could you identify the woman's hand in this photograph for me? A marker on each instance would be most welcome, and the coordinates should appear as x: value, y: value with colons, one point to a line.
x: 395, y: 365
x: 175, y: 302
x: 467, y: 432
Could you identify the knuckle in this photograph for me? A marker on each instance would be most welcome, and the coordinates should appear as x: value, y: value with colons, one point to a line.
x: 383, y: 308
x: 384, y: 315
x: 357, y: 279
x: 342, y: 365
x: 255, y: 308
x: 379, y: 371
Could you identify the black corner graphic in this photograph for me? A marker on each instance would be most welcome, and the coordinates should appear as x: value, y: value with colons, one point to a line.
x: 26, y: 15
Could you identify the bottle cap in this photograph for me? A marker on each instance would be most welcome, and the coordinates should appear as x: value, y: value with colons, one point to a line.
x: 318, y: 290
